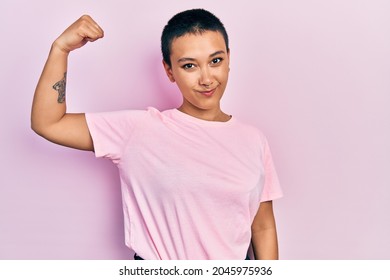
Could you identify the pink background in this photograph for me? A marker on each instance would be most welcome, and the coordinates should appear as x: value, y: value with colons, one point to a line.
x: 313, y: 75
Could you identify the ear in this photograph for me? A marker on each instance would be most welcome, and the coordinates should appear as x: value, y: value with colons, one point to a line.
x: 168, y: 71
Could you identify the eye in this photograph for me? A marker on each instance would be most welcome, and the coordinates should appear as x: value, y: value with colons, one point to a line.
x: 216, y: 60
x: 188, y: 66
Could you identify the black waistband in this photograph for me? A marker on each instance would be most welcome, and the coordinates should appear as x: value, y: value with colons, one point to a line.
x: 138, y: 258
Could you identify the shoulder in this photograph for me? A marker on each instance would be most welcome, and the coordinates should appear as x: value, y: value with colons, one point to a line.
x: 119, y: 115
x: 247, y: 129
x: 121, y: 120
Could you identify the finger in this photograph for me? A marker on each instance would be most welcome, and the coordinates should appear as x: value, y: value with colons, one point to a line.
x: 97, y: 32
x: 95, y: 35
x: 96, y: 27
x: 92, y: 25
x: 90, y: 33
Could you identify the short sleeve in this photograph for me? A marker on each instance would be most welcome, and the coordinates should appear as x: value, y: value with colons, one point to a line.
x: 110, y: 131
x: 272, y: 189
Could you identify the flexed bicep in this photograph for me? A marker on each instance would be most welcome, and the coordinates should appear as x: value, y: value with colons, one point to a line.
x: 48, y: 115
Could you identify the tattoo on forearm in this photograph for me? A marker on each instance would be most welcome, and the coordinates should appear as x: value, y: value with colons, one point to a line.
x: 60, y: 86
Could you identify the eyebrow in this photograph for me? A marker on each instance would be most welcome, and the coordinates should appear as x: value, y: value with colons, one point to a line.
x: 183, y: 59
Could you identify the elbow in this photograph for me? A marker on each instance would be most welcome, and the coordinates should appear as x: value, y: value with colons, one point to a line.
x: 35, y: 123
x: 38, y: 128
x: 39, y: 125
x: 34, y: 126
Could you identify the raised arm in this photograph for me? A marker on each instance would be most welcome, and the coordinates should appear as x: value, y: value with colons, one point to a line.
x: 48, y: 115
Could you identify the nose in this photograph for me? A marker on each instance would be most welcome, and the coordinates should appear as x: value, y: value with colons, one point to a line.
x: 205, y: 78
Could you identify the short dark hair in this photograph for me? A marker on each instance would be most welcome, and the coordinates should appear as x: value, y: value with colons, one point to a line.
x: 195, y: 21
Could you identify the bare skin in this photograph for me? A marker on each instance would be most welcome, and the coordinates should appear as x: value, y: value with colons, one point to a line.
x: 48, y: 115
x: 264, y: 236
x: 200, y: 67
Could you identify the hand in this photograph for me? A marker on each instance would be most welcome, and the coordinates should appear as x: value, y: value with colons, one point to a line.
x: 84, y: 30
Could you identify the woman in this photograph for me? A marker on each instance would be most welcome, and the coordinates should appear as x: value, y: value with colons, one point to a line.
x: 196, y: 182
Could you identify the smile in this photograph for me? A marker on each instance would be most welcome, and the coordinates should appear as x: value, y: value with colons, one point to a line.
x: 208, y: 93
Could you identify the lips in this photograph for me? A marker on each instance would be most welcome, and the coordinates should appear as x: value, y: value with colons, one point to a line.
x: 207, y: 93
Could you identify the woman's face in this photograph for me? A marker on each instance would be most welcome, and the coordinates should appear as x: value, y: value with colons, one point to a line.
x: 200, y: 68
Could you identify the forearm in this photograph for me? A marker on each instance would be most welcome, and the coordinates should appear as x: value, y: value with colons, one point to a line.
x: 48, y: 114
x: 265, y: 244
x: 49, y: 104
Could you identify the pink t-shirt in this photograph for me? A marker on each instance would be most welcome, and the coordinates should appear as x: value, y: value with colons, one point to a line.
x: 191, y: 188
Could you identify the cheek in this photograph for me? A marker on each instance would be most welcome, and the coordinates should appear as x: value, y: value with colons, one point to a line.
x: 186, y: 80
x: 223, y: 75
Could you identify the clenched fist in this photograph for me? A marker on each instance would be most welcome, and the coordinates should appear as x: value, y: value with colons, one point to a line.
x: 84, y: 30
